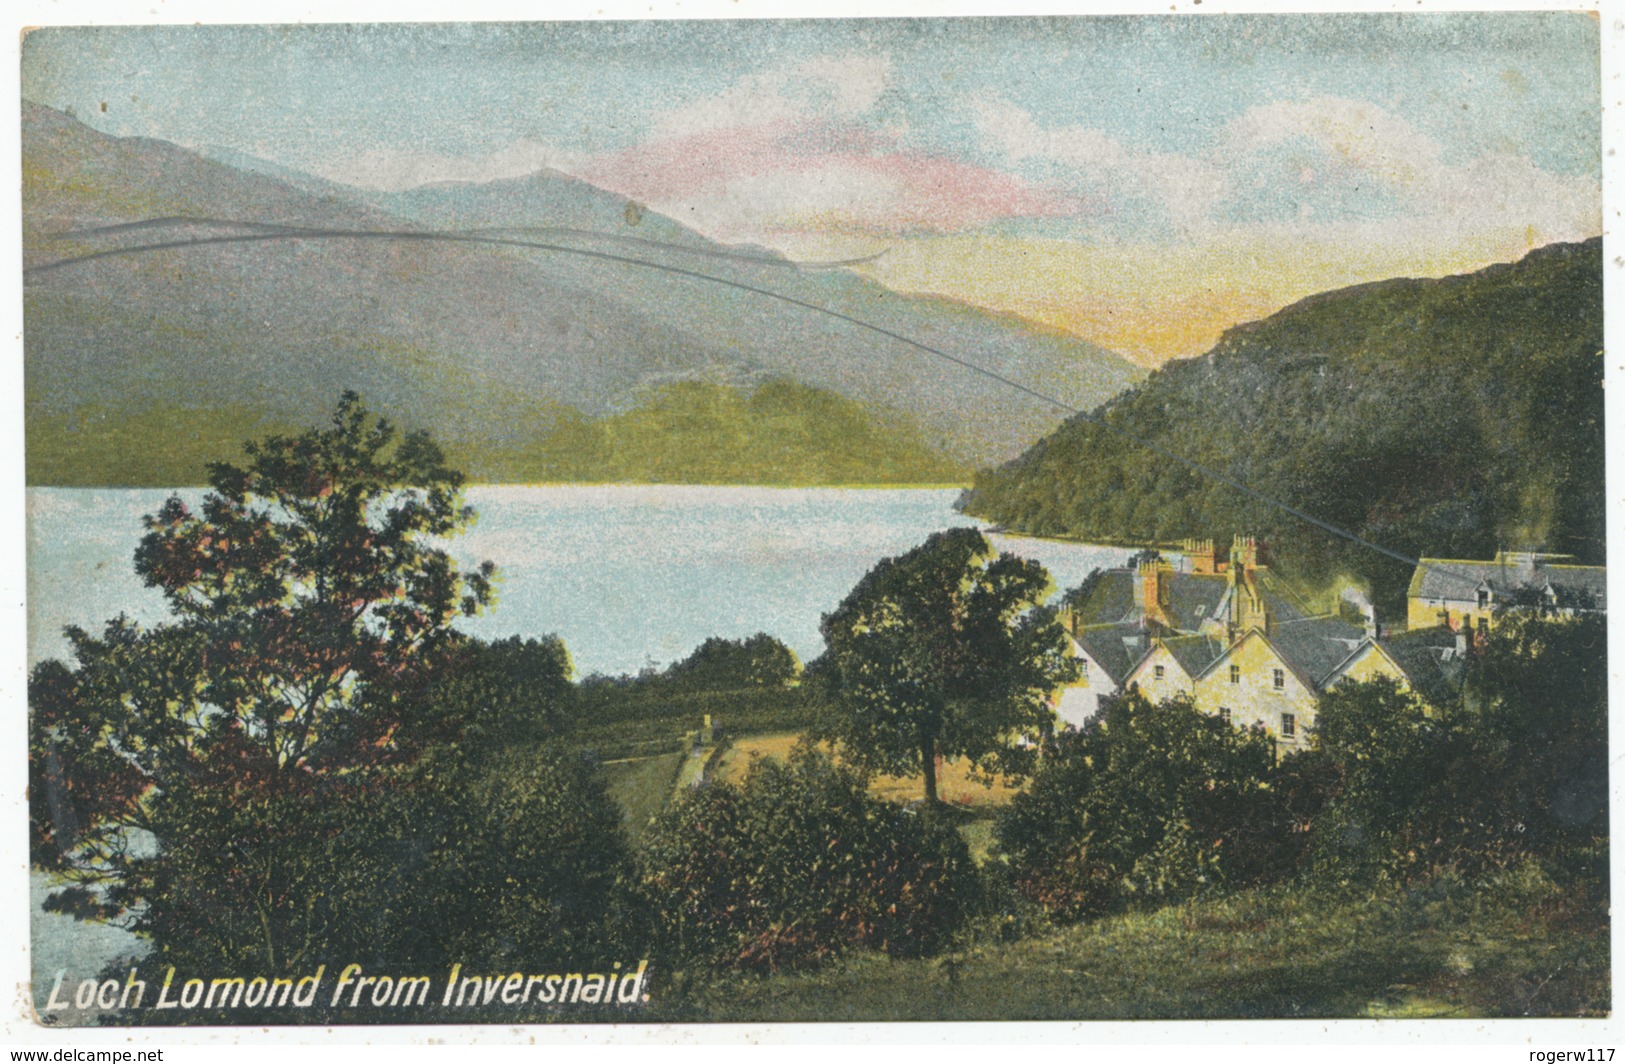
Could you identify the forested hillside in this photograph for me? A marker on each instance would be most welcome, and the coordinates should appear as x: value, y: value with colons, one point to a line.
x: 1436, y: 417
x: 778, y: 432
x: 685, y: 432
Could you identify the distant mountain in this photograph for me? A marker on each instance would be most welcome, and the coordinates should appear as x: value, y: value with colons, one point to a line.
x: 491, y: 347
x: 1443, y: 417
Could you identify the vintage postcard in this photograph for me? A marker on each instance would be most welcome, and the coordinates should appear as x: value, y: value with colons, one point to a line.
x: 835, y: 520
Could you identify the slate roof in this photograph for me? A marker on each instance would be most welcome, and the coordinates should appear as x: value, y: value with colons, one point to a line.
x: 1583, y: 586
x: 1280, y: 597
x: 1428, y: 657
x: 1316, y: 646
x: 1193, y: 598
x: 1194, y: 652
x: 1444, y: 578
x: 1117, y: 648
x: 1111, y: 601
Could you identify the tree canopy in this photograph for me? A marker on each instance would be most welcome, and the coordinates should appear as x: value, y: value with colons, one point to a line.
x: 945, y: 650
x: 312, y: 601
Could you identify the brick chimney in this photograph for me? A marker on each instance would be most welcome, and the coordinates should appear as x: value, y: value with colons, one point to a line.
x: 1247, y: 608
x: 1204, y: 559
x: 1153, y: 596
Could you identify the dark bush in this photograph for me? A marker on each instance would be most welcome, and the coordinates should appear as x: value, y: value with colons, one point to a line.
x: 516, y: 859
x: 1152, y: 801
x: 799, y: 864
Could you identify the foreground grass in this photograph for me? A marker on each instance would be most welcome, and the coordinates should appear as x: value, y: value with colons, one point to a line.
x: 1448, y: 950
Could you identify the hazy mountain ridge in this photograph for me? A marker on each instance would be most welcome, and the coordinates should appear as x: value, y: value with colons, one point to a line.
x: 487, y: 346
x: 1444, y: 417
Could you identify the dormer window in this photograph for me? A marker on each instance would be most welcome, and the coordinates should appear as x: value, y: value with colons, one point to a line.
x: 1483, y: 598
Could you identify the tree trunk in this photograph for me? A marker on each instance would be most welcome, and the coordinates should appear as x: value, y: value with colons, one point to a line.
x: 928, y: 758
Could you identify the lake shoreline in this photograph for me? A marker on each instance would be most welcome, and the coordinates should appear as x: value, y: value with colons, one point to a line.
x: 628, y: 576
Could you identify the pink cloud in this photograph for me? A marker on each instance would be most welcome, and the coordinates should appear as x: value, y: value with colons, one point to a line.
x: 947, y: 195
x: 797, y: 176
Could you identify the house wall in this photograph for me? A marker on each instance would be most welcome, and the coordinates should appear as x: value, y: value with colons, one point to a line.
x: 1370, y: 664
x: 1175, y: 682
x: 1081, y: 700
x: 1424, y: 613
x: 1255, y: 699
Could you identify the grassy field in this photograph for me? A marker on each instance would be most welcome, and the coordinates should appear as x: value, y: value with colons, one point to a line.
x: 1448, y: 951
x: 642, y: 788
x: 955, y: 784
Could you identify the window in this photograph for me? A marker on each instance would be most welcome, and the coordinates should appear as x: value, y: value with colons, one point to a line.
x: 1224, y: 714
x: 1235, y: 674
x: 1483, y: 598
x: 1158, y: 671
x: 1280, y: 679
x: 1289, y: 725
x: 1083, y: 669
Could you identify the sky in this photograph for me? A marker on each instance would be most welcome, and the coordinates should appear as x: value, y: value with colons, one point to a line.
x: 1141, y: 181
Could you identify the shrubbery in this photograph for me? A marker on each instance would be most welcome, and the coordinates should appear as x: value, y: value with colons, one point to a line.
x: 516, y: 859
x: 798, y: 864
x: 1149, y: 801
x: 1515, y: 769
x: 307, y: 763
x: 1163, y: 802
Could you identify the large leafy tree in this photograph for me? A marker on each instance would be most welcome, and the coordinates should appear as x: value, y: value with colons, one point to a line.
x: 948, y: 651
x: 312, y: 603
x: 717, y: 664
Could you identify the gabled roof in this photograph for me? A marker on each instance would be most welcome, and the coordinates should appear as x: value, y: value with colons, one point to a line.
x: 1280, y: 597
x: 1116, y: 648
x: 1110, y: 601
x: 1316, y: 646
x: 1444, y: 578
x: 1430, y: 662
x: 1194, y: 652
x: 1192, y: 598
x: 1578, y: 585
x: 1312, y: 648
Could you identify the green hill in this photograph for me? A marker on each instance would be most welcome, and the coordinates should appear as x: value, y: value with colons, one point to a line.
x: 1436, y: 417
x: 693, y: 432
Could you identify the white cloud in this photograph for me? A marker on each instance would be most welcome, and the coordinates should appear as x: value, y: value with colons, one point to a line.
x: 823, y: 88
x: 1356, y: 132
x: 1492, y: 191
x: 754, y: 205
x: 1406, y: 188
x: 1185, y: 188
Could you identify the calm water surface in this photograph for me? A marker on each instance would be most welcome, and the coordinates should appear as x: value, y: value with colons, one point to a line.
x: 629, y: 576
